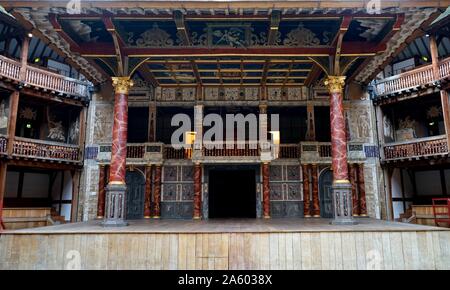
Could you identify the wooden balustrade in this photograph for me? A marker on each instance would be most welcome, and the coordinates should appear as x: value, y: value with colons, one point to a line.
x: 45, y: 150
x: 172, y: 153
x: 41, y: 78
x: 420, y: 148
x: 289, y: 151
x: 420, y: 76
x: 246, y: 149
x: 324, y: 150
x: 135, y: 150
x: 3, y: 144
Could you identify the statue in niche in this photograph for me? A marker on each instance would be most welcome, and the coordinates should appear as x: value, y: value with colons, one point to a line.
x: 74, y: 130
x: 388, y: 129
x: 3, y: 117
x: 55, y: 129
x: 363, y: 125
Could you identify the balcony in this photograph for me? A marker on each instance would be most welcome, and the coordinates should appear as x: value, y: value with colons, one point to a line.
x: 32, y: 149
x: 411, y: 80
x: 416, y: 149
x: 42, y: 79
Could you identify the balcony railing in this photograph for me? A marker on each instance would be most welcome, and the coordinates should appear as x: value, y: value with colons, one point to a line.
x: 42, y: 78
x: 40, y: 149
x: 289, y: 151
x: 3, y: 144
x: 420, y: 76
x: 245, y: 149
x: 418, y: 148
x: 172, y: 153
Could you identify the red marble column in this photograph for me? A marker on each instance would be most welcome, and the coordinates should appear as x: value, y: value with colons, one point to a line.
x: 157, y: 192
x: 362, y: 191
x: 120, y: 128
x: 116, y: 189
x: 352, y: 168
x: 101, y: 191
x: 315, y: 191
x: 338, y: 135
x: 148, y: 192
x: 197, y: 191
x: 306, y: 193
x: 342, y: 195
x: 266, y: 190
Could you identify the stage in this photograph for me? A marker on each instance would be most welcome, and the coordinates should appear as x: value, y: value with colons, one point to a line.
x: 228, y: 244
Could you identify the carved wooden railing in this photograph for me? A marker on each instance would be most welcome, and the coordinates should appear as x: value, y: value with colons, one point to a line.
x: 418, y: 148
x: 3, y: 144
x: 245, y: 149
x: 291, y: 151
x: 48, y: 150
x: 41, y: 78
x: 324, y: 150
x: 414, y: 78
x: 135, y: 150
x: 172, y: 153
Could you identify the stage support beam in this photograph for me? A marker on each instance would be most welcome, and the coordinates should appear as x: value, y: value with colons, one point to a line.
x: 197, y: 191
x: 148, y: 192
x: 101, y: 191
x: 157, y: 192
x: 315, y: 191
x: 12, y: 120
x: 116, y: 189
x: 306, y: 191
x: 266, y: 190
x: 3, y: 170
x: 342, y: 198
x: 362, y: 191
x: 352, y: 169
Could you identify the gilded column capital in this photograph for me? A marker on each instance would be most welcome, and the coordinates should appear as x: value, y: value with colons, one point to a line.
x: 122, y: 84
x: 335, y: 84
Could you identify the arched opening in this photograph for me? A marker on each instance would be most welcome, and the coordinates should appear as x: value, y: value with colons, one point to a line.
x: 135, y: 195
x: 325, y: 193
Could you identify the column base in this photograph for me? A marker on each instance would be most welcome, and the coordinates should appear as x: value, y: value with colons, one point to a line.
x: 267, y: 216
x: 342, y: 204
x: 115, y: 206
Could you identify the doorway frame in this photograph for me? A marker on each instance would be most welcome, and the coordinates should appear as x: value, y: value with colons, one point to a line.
x: 255, y: 167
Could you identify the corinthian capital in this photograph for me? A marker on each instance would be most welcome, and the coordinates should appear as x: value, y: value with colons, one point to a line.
x: 335, y: 84
x: 121, y: 84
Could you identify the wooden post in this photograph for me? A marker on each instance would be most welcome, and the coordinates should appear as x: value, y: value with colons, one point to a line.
x: 266, y: 190
x: 101, y: 191
x: 24, y: 58
x: 75, y: 192
x: 311, y: 128
x: 362, y: 191
x: 446, y: 114
x: 152, y: 123
x: 315, y: 191
x: 306, y: 193
x: 148, y: 192
x: 3, y: 170
x: 157, y: 193
x: 197, y: 191
x: 352, y: 169
x: 82, y: 121
x: 13, y: 108
x: 434, y: 56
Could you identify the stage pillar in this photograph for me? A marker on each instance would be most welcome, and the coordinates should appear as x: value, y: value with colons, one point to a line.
x: 116, y: 189
x: 101, y: 191
x: 148, y: 192
x: 352, y: 169
x: 342, y: 199
x: 306, y: 191
x: 315, y: 191
x: 197, y: 191
x: 157, y: 192
x: 266, y: 190
x: 362, y: 191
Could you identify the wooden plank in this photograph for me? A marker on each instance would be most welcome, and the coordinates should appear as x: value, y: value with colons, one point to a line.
x: 387, y: 252
x: 274, y: 256
x: 316, y: 257
x: 349, y: 250
x: 296, y: 251
x: 305, y: 242
x: 397, y: 251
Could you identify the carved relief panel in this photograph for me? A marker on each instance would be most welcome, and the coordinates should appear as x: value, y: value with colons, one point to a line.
x: 177, y: 191
x: 285, y: 190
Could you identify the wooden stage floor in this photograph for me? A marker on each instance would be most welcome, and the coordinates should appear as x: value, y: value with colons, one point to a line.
x: 230, y: 226
x: 228, y: 244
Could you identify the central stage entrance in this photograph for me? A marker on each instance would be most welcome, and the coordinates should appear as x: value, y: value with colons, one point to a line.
x: 232, y: 193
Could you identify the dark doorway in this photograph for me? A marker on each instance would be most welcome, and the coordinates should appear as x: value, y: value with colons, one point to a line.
x: 326, y: 194
x: 135, y: 195
x: 232, y: 194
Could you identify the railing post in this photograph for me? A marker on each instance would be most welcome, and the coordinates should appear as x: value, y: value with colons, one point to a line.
x: 434, y: 57
x: 446, y: 114
x: 13, y: 108
x: 24, y: 58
